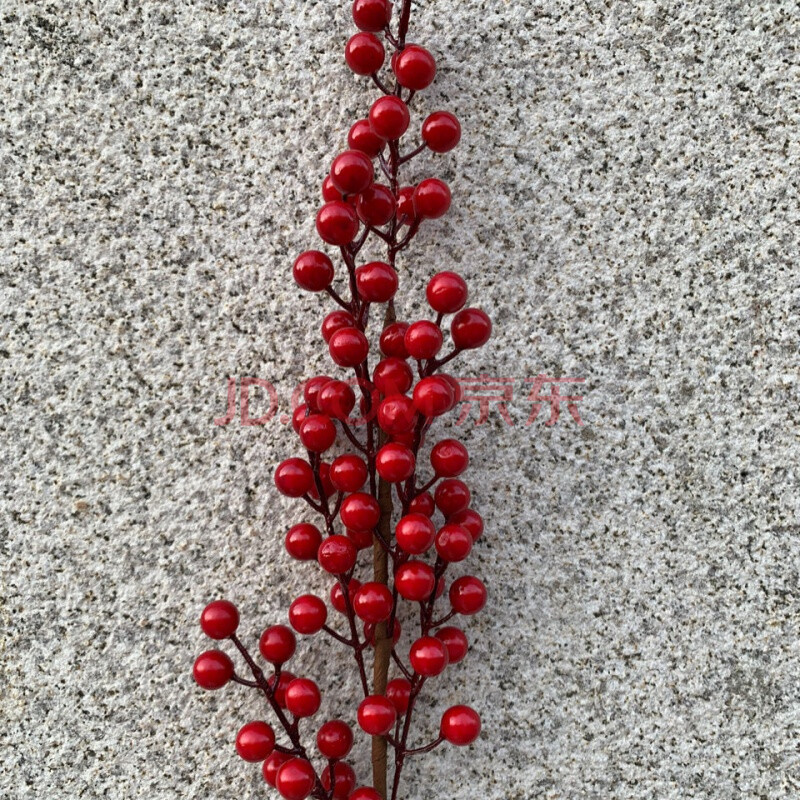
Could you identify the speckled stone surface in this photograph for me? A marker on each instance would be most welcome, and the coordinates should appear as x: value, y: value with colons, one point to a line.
x: 625, y: 205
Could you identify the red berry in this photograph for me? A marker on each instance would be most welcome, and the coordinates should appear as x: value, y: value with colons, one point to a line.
x: 376, y: 282
x: 344, y: 779
x: 395, y: 462
x: 428, y: 656
x: 337, y: 597
x: 352, y: 172
x: 369, y: 632
x: 324, y: 476
x: 431, y: 199
x: 422, y: 504
x: 452, y: 496
x: 446, y: 292
x: 454, y: 641
x: 376, y: 205
x: 392, y: 376
x: 294, y: 477
x: 296, y: 779
x: 303, y: 541
x: 277, y: 644
x: 349, y: 473
x: 423, y: 339
x: 460, y: 725
x: 393, y: 340
x: 397, y: 414
x: 308, y: 614
x: 453, y: 543
x: 337, y: 554
x: 329, y: 191
x: 405, y: 205
x: 212, y: 669
x: 317, y: 433
x: 361, y: 539
x: 365, y: 793
x: 433, y: 396
x: 298, y: 415
x: 467, y: 595
x: 441, y: 131
x: 360, y: 511
x: 454, y: 385
x: 470, y: 520
x: 470, y: 328
x: 219, y: 619
x: 415, y: 68
x: 337, y: 223
x: 389, y: 117
x: 311, y: 390
x: 335, y: 321
x: 415, y: 581
x: 372, y: 15
x: 255, y: 741
x: 373, y: 602
x: 376, y: 715
x: 336, y: 399
x: 348, y: 347
x: 415, y: 533
x: 302, y: 697
x: 398, y: 691
x: 279, y: 687
x: 271, y: 766
x: 313, y: 271
x: 362, y: 138
x: 364, y: 53
x: 334, y: 739
x: 449, y: 458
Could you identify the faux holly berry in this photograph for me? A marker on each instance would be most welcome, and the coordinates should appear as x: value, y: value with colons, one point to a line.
x: 428, y: 656
x: 423, y: 339
x: 441, y: 131
x: 446, y: 292
x: 219, y: 619
x: 372, y: 15
x: 364, y: 53
x: 361, y: 137
x: 307, y: 614
x: 255, y: 741
x: 376, y: 282
x: 376, y: 715
x: 415, y: 533
x: 213, y: 669
x: 389, y: 117
x: 295, y: 779
x: 415, y: 580
x: 470, y: 328
x: 277, y: 644
x: 302, y: 697
x: 344, y: 780
x: 467, y: 595
x: 313, y: 271
x: 334, y: 739
x: 373, y: 602
x: 337, y: 554
x: 303, y: 541
x: 294, y: 477
x: 455, y: 642
x: 414, y: 67
x: 431, y: 199
x: 337, y: 223
x: 460, y: 725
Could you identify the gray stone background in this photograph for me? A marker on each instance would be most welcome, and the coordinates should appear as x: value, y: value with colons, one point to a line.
x: 626, y: 207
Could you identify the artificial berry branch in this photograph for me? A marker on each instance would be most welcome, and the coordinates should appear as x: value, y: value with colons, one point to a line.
x: 352, y: 492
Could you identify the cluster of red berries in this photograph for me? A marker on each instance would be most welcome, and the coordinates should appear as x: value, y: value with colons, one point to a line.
x: 397, y: 401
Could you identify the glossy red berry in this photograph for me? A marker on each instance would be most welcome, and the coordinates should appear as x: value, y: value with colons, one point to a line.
x: 336, y: 399
x: 303, y: 697
x: 361, y: 539
x: 255, y: 741
x: 423, y: 339
x: 376, y: 715
x: 362, y: 138
x: 451, y: 496
x: 317, y: 433
x: 212, y: 669
x: 298, y: 415
x: 395, y: 462
x: 392, y: 376
x: 303, y: 541
x: 352, y: 172
x: 307, y: 614
x: 422, y: 504
x: 449, y: 458
x: 415, y: 581
x: 365, y: 793
x: 415, y: 533
x: 337, y: 554
x: 294, y: 477
x: 433, y: 396
x: 372, y: 15
x: 454, y: 641
x: 313, y: 271
x: 360, y: 511
x: 344, y: 780
x: 431, y: 199
x: 295, y: 779
x: 334, y: 739
x: 364, y: 53
x: 329, y: 191
x: 376, y: 282
x: 398, y: 691
x: 428, y: 656
x: 453, y: 543
x: 392, y: 341
x: 348, y: 347
x: 460, y: 725
x: 389, y: 117
x: 446, y: 292
x: 279, y: 686
x: 219, y: 619
x: 441, y: 131
x: 272, y: 765
x: 406, y: 214
x: 349, y: 473
x: 470, y: 328
x: 470, y: 520
x: 337, y: 596
x: 335, y: 321
x: 454, y: 385
x: 277, y: 644
x: 376, y: 205
x: 467, y: 595
x: 373, y: 602
x: 337, y: 223
x: 397, y: 414
x: 414, y: 67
